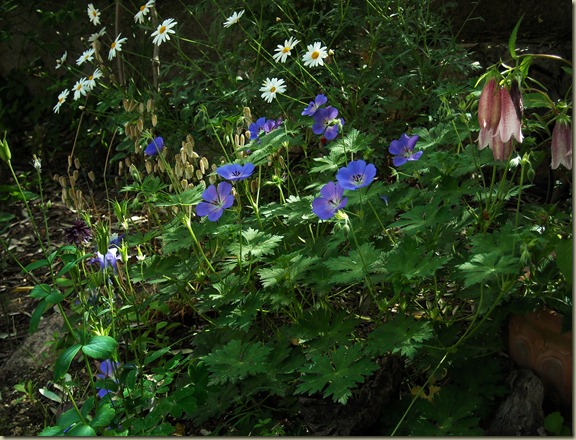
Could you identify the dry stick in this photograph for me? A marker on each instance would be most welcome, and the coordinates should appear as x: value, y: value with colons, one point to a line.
x: 117, y: 30
x: 155, y: 54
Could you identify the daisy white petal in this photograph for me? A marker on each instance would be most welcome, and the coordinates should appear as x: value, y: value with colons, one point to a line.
x: 96, y: 36
x: 93, y: 14
x: 315, y: 55
x: 61, y: 98
x: 282, y: 51
x: 233, y: 19
x: 91, y: 80
x: 270, y: 87
x: 162, y: 33
x: 80, y: 89
x: 60, y: 62
x: 116, y: 46
x: 88, y: 55
x: 143, y: 11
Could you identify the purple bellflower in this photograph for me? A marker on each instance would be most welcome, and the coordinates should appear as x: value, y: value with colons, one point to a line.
x: 356, y: 175
x: 262, y: 126
x: 403, y: 149
x: 154, y: 147
x: 108, y: 370
x: 326, y: 122
x: 330, y: 201
x: 235, y: 171
x: 313, y: 107
x: 215, y: 201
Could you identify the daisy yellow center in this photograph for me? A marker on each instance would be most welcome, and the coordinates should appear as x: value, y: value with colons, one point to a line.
x: 113, y: 45
x: 272, y: 89
x: 94, y: 13
x: 162, y: 30
x: 91, y: 77
x: 142, y: 8
x: 315, y: 55
x: 61, y: 100
x: 286, y: 49
x: 79, y: 87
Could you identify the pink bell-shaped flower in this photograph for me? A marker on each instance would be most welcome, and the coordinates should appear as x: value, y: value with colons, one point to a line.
x: 562, y: 145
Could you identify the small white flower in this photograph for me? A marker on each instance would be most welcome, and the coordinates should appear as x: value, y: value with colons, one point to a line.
x: 88, y: 55
x: 37, y: 163
x: 282, y: 52
x: 270, y: 87
x: 315, y: 55
x: 116, y: 46
x: 61, y: 98
x: 161, y: 34
x: 233, y: 19
x: 93, y: 14
x: 144, y: 9
x: 80, y: 89
x: 96, y: 36
x: 62, y: 60
x: 91, y: 80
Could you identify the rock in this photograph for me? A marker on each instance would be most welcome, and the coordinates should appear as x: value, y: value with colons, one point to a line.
x: 521, y: 413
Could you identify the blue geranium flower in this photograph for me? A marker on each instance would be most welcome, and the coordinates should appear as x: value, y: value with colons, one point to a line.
x: 326, y: 122
x: 403, y: 150
x: 215, y: 201
x: 356, y: 175
x: 154, y: 147
x: 313, y: 107
x: 262, y: 126
x: 108, y: 370
x: 330, y: 201
x: 235, y: 171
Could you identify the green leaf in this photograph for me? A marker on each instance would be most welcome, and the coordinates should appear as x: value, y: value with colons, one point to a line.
x: 104, y: 416
x: 256, y: 244
x: 483, y: 267
x: 355, y: 266
x: 339, y: 372
x: 37, y: 315
x: 236, y: 360
x: 402, y: 335
x: 512, y: 40
x: 35, y: 265
x: 155, y: 355
x: 40, y: 291
x: 564, y: 259
x: 82, y: 431
x: 51, y: 431
x: 100, y: 347
x: 63, y: 362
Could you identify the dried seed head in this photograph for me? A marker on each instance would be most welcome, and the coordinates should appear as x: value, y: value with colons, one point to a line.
x: 141, y: 108
x: 149, y: 105
x: 178, y: 170
x: 161, y: 165
x: 77, y: 163
x: 75, y: 174
x: 140, y: 124
x: 154, y: 119
x: 148, y: 167
x: 62, y: 181
x: 184, y: 183
x: 189, y: 171
x: 92, y: 176
x: 69, y: 161
x: 199, y: 175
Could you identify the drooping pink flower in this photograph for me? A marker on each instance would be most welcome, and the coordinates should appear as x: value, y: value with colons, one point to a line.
x: 499, y: 118
x: 562, y: 145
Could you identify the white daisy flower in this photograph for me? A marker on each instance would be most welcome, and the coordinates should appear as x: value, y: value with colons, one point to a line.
x: 62, y: 60
x: 93, y: 14
x: 282, y: 52
x: 61, y: 98
x: 315, y: 55
x: 161, y: 34
x: 91, y: 80
x: 270, y: 87
x: 80, y: 89
x: 116, y: 46
x: 233, y: 19
x: 92, y: 38
x: 88, y: 55
x: 144, y: 9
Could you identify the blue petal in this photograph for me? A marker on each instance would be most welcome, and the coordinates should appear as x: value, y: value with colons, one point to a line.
x: 154, y: 147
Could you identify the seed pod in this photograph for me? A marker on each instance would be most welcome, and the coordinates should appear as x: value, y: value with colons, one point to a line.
x: 77, y: 163
x: 149, y: 105
x: 161, y: 165
x: 92, y: 176
x: 199, y: 175
x: 149, y: 167
x: 62, y: 181
x: 154, y: 119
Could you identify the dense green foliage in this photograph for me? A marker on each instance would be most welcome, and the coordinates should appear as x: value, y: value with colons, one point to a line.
x: 225, y: 325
